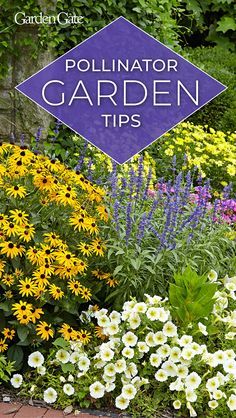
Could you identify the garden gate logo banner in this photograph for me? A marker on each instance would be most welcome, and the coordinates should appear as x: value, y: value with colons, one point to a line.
x: 121, y: 89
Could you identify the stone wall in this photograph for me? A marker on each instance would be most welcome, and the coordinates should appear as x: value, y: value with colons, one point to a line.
x: 18, y: 114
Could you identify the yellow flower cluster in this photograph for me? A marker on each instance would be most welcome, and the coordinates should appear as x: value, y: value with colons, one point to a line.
x: 213, y: 152
x: 106, y: 163
x: 45, y: 210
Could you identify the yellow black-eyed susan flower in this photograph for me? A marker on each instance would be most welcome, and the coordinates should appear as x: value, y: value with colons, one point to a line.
x: 44, y: 330
x: 9, y: 248
x: 26, y: 233
x: 85, y: 293
x: 103, y: 213
x: 8, y: 279
x: 84, y: 336
x: 3, y: 345
x: 16, y: 191
x: 27, y: 287
x: 56, y: 292
x: 36, y: 314
x: 8, y: 333
x: 68, y: 332
x: 85, y: 248
x: 33, y: 255
x: 19, y: 217
x: 75, y: 287
x: 97, y: 247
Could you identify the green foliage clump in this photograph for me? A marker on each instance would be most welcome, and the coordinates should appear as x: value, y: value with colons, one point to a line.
x: 211, y: 21
x: 220, y: 64
x: 6, y: 368
x: 191, y: 296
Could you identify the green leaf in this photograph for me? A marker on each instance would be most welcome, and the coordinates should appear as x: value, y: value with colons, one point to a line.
x: 226, y: 23
x: 22, y: 332
x: 117, y: 270
x: 68, y: 367
x: 15, y: 353
x: 60, y: 342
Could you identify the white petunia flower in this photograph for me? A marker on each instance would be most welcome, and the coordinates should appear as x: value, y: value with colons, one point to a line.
x: 62, y: 379
x: 190, y: 395
x: 70, y: 378
x: 16, y: 380
x: 160, y: 338
x: 155, y: 360
x: 202, y: 328
x: 163, y: 314
x: 193, y: 380
x: 192, y: 411
x: 101, y: 312
x: 50, y: 395
x: 131, y: 370
x: 231, y: 403
x: 128, y: 352
x: 177, y: 404
x: 120, y: 365
x: 212, y: 276
x: 150, y: 339
x: 230, y: 354
x: 187, y: 353
x: 83, y: 363
x: 41, y: 370
x: 177, y: 385
x: 35, y: 359
x: 68, y: 389
x: 185, y: 340
x: 106, y: 354
x: 121, y: 402
x: 63, y: 356
x: 142, y: 347
x: 218, y: 394
x: 170, y: 368
x: 229, y: 366
x: 129, y: 339
x: 108, y: 379
x: 103, y: 321
x: 134, y: 321
x: 97, y: 390
x: 115, y: 317
x: 110, y: 386
x: 112, y: 329
x: 153, y: 314
x: 110, y: 370
x: 212, y: 384
x: 213, y: 404
x: 161, y: 375
x: 164, y: 350
x: 175, y: 354
x: 170, y: 330
x: 182, y: 371
x: 74, y: 357
x: 140, y: 307
x: 230, y: 335
x: 220, y: 356
x: 129, y: 391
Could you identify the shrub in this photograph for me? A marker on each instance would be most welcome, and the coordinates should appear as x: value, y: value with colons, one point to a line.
x: 220, y: 64
x: 212, y: 152
x: 148, y: 353
x: 49, y: 244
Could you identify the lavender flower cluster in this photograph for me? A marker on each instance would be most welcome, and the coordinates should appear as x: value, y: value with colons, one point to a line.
x: 170, y: 209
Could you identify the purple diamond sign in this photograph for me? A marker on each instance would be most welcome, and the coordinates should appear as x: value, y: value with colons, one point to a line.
x: 121, y: 89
